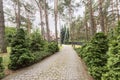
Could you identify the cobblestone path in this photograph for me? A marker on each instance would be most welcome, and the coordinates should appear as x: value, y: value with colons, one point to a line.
x: 64, y: 65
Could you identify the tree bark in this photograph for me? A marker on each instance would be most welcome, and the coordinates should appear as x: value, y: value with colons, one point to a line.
x: 18, y: 15
x: 39, y: 4
x: 70, y: 21
x: 117, y: 6
x: 60, y: 30
x: 41, y: 18
x: 56, y: 20
x: 28, y: 25
x: 86, y: 26
x: 3, y: 48
x: 47, y: 21
x: 93, y: 28
x: 101, y: 16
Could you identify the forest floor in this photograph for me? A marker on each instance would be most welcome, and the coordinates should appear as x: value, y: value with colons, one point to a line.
x: 64, y: 65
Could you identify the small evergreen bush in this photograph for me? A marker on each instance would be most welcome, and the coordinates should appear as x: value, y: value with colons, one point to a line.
x: 94, y: 55
x: 37, y: 43
x: 41, y: 55
x: 113, y: 63
x: 53, y: 47
x: 20, y: 54
x: 25, y: 51
x: 1, y: 68
x: 9, y: 34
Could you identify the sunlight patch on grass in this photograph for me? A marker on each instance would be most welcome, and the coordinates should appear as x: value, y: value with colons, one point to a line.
x: 77, y: 46
x: 6, y: 61
x: 6, y: 58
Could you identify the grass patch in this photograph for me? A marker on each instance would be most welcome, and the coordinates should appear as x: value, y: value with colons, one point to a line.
x: 77, y: 46
x: 6, y: 58
x: 60, y: 46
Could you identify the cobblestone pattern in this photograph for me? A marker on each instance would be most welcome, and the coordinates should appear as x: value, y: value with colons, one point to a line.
x: 64, y: 65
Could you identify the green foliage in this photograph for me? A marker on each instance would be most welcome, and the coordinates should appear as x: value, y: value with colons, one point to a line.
x: 117, y: 30
x: 113, y: 63
x: 94, y: 55
x: 20, y: 54
x: 25, y: 51
x: 1, y: 68
x: 37, y: 43
x: 9, y: 34
x: 46, y: 50
x: 41, y: 55
x: 41, y: 48
x: 64, y: 35
x: 53, y: 47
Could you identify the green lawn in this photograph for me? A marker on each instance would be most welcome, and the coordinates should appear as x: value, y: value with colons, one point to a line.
x: 60, y: 46
x: 6, y: 59
x: 77, y: 46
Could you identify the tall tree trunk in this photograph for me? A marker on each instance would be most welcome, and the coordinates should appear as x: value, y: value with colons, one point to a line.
x: 47, y: 21
x: 2, y: 29
x: 101, y: 16
x: 106, y: 24
x: 93, y: 28
x: 56, y: 15
x: 41, y: 18
x: 18, y: 15
x: 86, y: 26
x: 70, y: 21
x: 15, y: 8
x: 42, y: 25
x: 28, y: 25
x: 39, y: 4
x: 60, y: 30
x: 113, y: 15
x: 117, y: 6
x: 105, y: 16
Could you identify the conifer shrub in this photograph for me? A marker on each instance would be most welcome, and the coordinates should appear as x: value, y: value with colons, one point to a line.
x: 113, y: 63
x: 41, y: 48
x: 1, y: 68
x: 37, y: 43
x: 9, y: 34
x: 94, y: 55
x: 20, y: 55
x: 27, y: 51
x: 53, y: 47
x: 49, y: 49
